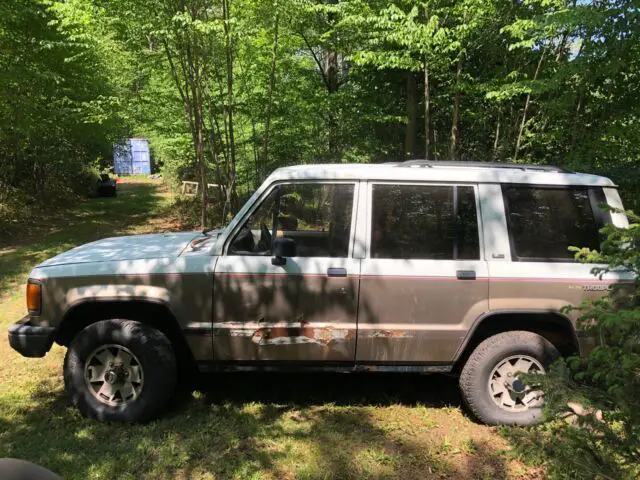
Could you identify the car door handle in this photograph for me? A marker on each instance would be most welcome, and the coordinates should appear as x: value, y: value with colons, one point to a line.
x: 336, y: 272
x: 466, y: 274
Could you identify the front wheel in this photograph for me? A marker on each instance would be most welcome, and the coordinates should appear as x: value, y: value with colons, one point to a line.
x: 490, y: 380
x: 120, y: 370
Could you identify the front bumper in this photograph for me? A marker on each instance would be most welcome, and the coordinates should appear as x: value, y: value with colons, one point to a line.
x: 30, y: 340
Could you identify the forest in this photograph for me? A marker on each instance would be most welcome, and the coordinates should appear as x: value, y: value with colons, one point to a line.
x: 228, y: 90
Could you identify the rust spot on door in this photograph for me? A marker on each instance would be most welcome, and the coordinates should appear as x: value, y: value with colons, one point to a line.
x: 301, y: 335
x: 386, y: 334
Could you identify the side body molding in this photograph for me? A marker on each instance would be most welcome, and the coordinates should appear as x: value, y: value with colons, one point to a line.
x: 122, y: 292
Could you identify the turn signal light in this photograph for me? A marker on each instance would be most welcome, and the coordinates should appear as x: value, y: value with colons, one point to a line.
x: 34, y: 297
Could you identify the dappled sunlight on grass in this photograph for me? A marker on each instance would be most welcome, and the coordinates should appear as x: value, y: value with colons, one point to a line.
x: 251, y: 439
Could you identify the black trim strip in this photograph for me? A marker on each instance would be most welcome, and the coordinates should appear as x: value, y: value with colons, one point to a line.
x: 275, y: 366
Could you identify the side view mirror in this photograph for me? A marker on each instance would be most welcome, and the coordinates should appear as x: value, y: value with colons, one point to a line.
x: 282, y: 249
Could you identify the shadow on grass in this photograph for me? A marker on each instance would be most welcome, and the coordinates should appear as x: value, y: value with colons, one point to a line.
x: 312, y: 389
x: 260, y: 426
x: 91, y: 220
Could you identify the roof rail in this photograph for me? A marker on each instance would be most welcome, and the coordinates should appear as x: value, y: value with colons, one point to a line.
x: 513, y: 166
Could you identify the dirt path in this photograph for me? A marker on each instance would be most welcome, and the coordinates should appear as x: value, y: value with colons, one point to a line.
x: 278, y: 426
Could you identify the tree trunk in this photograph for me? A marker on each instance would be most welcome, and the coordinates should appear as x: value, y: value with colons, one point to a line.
x: 576, y: 120
x: 272, y: 83
x: 427, y: 102
x: 496, y: 140
x: 526, y: 106
x: 192, y: 97
x: 410, y: 132
x: 195, y: 81
x: 332, y: 53
x: 427, y: 113
x: 455, y: 134
x: 436, y: 152
x: 332, y: 71
x: 232, y: 195
x: 332, y: 86
x: 201, y: 164
x: 256, y: 162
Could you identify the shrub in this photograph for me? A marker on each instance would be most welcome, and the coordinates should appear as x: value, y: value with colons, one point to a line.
x: 187, y: 210
x: 603, y: 442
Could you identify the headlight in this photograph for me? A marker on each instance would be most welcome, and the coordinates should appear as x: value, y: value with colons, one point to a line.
x: 34, y: 297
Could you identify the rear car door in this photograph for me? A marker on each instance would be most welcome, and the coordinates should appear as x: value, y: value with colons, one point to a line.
x: 304, y: 310
x: 423, y: 280
x: 531, y: 264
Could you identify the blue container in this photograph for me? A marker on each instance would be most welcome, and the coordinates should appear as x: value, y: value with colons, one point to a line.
x: 132, y: 158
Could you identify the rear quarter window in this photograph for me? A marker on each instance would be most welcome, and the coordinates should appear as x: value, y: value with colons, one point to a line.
x: 545, y: 221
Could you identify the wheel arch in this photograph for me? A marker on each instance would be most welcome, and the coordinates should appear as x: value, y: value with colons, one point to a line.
x: 149, y: 311
x: 553, y: 325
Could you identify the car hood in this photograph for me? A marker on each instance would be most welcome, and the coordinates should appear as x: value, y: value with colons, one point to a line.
x: 134, y: 247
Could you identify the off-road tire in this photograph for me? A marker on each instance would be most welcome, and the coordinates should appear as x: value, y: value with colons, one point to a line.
x: 474, y: 378
x: 156, y: 357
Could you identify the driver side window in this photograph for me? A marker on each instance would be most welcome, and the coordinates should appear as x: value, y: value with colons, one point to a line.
x: 316, y: 216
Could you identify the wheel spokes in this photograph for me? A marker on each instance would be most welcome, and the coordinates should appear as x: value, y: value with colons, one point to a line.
x: 107, y: 391
x: 113, y: 375
x: 104, y: 357
x: 127, y: 391
x: 123, y: 358
x: 506, y: 387
x: 522, y: 365
x: 134, y: 374
x: 97, y: 373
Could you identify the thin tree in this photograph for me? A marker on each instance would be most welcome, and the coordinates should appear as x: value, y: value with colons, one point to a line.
x: 232, y: 196
x: 427, y: 101
x: 526, y: 105
x: 272, y: 83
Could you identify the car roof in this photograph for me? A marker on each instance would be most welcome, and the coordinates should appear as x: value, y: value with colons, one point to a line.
x: 434, y: 171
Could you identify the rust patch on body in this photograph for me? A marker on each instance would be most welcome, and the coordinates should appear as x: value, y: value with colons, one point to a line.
x: 277, y: 335
x: 386, y: 334
x: 300, y: 335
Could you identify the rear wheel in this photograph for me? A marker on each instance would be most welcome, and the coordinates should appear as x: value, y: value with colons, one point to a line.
x: 120, y: 370
x: 491, y: 382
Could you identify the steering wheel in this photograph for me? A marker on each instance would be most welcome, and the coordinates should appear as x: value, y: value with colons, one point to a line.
x: 265, y: 239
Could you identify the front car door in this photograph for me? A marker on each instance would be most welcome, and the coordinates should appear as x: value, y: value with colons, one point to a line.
x: 423, y: 280
x: 304, y: 310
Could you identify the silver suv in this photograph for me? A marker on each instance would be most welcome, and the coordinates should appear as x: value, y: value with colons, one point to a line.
x: 418, y: 266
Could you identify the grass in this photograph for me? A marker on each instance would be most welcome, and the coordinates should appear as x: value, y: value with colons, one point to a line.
x: 244, y: 426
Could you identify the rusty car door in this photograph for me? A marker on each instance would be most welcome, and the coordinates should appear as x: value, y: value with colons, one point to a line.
x: 304, y: 310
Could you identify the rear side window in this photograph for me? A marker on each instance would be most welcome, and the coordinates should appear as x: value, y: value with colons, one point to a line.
x: 545, y: 221
x: 424, y: 222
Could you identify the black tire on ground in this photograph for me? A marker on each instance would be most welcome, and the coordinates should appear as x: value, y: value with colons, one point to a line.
x: 14, y: 469
x: 155, y: 355
x: 474, y: 379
